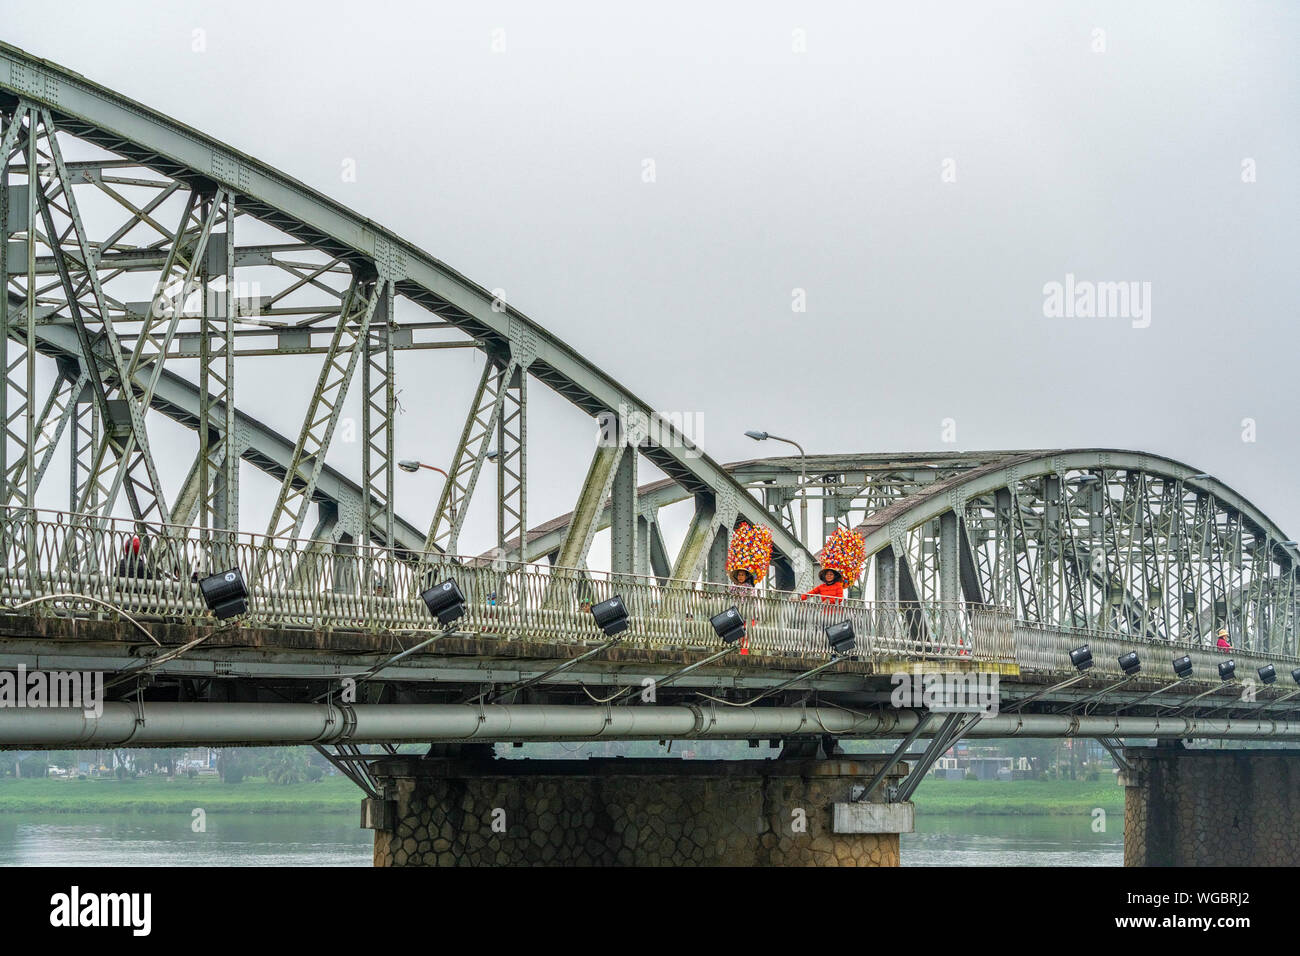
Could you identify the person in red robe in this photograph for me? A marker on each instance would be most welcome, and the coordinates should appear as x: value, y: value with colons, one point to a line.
x: 830, y: 591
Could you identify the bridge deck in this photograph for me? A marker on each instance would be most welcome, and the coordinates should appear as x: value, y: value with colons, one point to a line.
x: 317, y: 615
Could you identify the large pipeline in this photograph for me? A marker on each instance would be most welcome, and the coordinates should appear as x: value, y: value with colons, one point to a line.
x: 194, y: 724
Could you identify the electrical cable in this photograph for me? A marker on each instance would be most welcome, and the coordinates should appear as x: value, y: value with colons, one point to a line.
x: 85, y: 597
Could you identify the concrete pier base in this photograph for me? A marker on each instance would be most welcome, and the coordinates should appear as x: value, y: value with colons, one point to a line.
x: 1211, y: 807
x: 443, y: 812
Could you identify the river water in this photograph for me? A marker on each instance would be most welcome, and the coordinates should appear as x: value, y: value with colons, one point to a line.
x: 334, y: 839
x: 1012, y: 841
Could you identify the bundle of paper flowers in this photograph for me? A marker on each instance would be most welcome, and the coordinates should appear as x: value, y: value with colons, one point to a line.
x: 846, y: 552
x: 750, y: 550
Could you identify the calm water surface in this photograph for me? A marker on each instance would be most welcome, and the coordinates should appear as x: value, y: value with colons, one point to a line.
x: 1013, y: 841
x: 165, y: 839
x: 289, y: 839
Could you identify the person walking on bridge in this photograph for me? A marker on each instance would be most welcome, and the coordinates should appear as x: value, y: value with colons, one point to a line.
x: 1223, y: 643
x: 132, y: 564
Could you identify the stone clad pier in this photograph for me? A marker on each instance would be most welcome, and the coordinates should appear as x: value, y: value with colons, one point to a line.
x: 633, y: 812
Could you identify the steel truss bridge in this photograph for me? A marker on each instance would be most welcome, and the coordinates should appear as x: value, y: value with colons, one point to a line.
x: 142, y: 260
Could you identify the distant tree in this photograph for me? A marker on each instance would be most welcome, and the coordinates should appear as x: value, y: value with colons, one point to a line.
x: 233, y: 765
x: 35, y: 765
x: 286, y: 765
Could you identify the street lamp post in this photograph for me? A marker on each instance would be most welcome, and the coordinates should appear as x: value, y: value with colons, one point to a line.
x: 803, y: 478
x: 411, y: 465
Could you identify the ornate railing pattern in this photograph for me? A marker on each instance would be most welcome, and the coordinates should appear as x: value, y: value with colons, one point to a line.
x: 310, y: 584
x: 56, y: 559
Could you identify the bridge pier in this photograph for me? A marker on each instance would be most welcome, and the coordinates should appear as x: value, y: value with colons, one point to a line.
x: 656, y: 812
x: 1211, y: 807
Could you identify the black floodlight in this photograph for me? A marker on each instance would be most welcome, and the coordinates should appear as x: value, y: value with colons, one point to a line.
x: 611, y: 615
x: 1227, y: 669
x: 729, y: 625
x: 1129, y: 663
x: 1183, y: 666
x: 1081, y: 658
x: 445, y: 602
x: 1268, y: 674
x: 224, y: 593
x: 841, y: 637
x: 1295, y: 675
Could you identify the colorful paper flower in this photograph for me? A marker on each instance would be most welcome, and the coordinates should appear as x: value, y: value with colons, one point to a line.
x: 750, y: 549
x: 846, y: 552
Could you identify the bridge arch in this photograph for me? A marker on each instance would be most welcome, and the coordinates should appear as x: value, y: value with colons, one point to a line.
x: 1095, y: 538
x: 343, y: 287
x: 1123, y: 540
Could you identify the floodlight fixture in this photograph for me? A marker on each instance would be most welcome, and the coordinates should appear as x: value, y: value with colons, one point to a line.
x: 729, y: 625
x: 445, y: 601
x: 225, y: 593
x: 841, y: 637
x: 611, y: 616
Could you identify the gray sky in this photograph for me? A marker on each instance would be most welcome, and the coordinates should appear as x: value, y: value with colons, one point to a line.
x: 778, y: 170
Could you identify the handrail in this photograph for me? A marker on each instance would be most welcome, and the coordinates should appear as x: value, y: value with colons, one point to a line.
x: 311, y: 584
x: 302, y: 583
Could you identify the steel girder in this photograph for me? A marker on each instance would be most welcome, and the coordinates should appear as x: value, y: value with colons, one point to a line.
x: 350, y: 339
x: 379, y: 406
x: 217, y: 465
x: 481, y: 427
x: 258, y: 444
x: 1151, y: 549
x: 197, y: 163
x: 1119, y: 539
x: 860, y: 484
x: 17, y: 346
x: 1114, y: 539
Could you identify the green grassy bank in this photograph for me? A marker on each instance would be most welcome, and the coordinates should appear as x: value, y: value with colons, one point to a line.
x: 339, y: 795
x: 181, y: 795
x: 1018, y: 797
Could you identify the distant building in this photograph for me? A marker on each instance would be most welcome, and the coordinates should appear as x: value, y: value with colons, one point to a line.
x: 983, y: 763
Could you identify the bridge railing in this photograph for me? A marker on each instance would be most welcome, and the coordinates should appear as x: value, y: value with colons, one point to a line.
x: 1046, y: 648
x: 309, y: 584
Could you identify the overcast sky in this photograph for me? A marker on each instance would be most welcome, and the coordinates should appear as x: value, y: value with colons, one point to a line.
x: 920, y: 171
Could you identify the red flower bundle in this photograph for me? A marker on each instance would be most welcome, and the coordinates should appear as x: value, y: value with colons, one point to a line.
x: 845, y: 552
x: 750, y: 549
